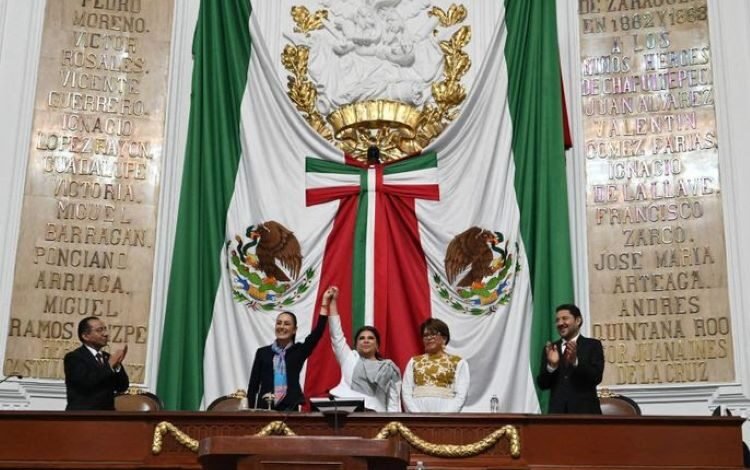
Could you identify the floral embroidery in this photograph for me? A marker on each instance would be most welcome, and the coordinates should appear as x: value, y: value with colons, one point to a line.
x: 437, y: 371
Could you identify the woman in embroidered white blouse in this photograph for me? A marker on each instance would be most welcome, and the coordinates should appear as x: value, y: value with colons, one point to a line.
x: 364, y: 373
x: 435, y: 382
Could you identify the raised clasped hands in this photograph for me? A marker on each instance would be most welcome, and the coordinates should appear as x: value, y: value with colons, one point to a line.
x: 330, y: 295
x: 329, y: 301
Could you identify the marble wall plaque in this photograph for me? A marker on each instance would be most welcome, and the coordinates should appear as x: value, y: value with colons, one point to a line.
x: 656, y: 247
x: 86, y: 244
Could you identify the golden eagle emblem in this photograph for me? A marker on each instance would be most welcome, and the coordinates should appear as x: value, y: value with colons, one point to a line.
x: 472, y: 249
x: 265, y: 265
x: 275, y: 242
x: 485, y: 267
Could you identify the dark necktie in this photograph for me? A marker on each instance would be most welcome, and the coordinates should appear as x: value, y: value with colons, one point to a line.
x: 100, y: 358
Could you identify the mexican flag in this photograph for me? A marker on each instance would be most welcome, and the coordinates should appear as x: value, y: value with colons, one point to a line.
x: 473, y: 230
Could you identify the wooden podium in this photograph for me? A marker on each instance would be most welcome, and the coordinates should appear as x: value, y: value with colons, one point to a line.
x: 35, y: 440
x: 302, y: 452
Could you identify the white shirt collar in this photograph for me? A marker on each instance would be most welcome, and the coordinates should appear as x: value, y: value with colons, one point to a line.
x: 93, y: 351
x: 575, y: 340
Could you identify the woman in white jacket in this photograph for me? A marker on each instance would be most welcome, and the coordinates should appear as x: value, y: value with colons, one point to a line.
x: 364, y: 373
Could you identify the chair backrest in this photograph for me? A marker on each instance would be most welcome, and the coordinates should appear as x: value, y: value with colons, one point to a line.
x: 614, y: 404
x: 231, y: 402
x: 137, y: 400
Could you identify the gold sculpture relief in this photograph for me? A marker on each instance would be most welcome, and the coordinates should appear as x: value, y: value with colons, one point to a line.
x: 389, y: 125
x: 301, y: 89
x: 449, y: 93
x: 456, y: 14
x: 398, y: 129
x: 305, y: 22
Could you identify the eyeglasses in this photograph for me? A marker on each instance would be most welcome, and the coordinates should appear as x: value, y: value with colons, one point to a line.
x: 430, y: 334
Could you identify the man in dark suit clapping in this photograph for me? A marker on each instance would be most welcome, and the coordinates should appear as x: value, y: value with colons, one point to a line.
x: 572, y: 367
x: 93, y: 376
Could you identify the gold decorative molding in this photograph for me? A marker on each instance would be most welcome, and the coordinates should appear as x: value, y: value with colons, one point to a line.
x: 182, y: 438
x: 606, y: 393
x: 272, y: 428
x: 275, y: 428
x: 392, y: 428
x: 454, y: 450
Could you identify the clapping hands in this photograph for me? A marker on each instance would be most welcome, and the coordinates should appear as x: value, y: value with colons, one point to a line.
x: 116, y: 358
x: 553, y: 355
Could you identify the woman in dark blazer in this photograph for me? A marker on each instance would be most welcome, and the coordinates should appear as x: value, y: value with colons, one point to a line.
x: 276, y: 369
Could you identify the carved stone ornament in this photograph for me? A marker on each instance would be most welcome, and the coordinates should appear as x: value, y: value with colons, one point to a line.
x: 378, y: 72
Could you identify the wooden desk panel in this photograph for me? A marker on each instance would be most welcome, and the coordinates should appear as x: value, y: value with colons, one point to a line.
x: 303, y: 452
x: 93, y: 440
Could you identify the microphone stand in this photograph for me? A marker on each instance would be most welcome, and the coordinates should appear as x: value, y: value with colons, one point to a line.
x: 335, y: 414
x: 269, y: 398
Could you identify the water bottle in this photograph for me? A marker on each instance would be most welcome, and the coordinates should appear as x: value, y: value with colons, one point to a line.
x: 420, y: 466
x: 494, y: 404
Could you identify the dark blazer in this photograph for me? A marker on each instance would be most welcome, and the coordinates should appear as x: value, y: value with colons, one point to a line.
x: 89, y: 385
x: 573, y: 389
x: 261, y: 377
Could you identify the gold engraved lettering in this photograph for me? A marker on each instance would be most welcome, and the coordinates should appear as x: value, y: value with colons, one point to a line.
x: 92, y: 182
x: 95, y: 190
x: 91, y: 235
x: 80, y: 258
x: 653, y: 306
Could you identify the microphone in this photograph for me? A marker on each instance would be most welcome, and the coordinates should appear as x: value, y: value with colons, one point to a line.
x: 332, y: 399
x: 17, y: 377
